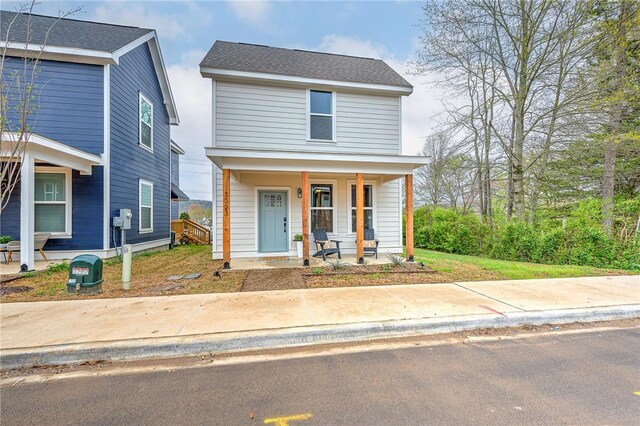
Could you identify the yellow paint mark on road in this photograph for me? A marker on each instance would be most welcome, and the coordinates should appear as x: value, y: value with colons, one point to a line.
x: 637, y: 393
x: 284, y: 421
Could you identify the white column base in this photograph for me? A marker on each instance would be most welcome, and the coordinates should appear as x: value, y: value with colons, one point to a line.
x: 27, y: 214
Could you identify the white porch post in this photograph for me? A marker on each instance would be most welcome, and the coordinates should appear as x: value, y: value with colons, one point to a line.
x: 27, y: 218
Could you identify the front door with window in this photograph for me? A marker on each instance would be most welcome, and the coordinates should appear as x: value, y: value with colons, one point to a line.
x: 273, y: 223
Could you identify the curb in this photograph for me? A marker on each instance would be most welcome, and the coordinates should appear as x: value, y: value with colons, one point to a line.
x: 166, y: 347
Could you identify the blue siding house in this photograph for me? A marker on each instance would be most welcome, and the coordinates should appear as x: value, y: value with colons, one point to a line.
x: 99, y: 137
x: 176, y: 193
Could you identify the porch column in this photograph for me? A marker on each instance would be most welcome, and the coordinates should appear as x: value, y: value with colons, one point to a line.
x: 226, y: 218
x: 305, y: 218
x: 27, y: 217
x: 408, y: 212
x: 360, y: 218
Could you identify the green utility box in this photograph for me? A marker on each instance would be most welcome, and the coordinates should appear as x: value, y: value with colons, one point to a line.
x: 85, y: 275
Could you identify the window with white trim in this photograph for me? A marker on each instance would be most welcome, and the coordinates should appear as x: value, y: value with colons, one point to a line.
x: 368, y: 208
x: 52, y: 201
x: 145, y: 122
x: 321, y: 116
x: 145, y: 206
x: 322, y: 207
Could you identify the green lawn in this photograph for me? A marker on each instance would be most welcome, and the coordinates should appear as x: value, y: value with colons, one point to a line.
x: 456, y: 263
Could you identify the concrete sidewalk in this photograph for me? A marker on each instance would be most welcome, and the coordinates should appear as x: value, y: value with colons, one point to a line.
x: 72, y: 331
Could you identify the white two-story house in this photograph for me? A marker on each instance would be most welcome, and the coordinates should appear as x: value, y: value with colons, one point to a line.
x: 305, y: 141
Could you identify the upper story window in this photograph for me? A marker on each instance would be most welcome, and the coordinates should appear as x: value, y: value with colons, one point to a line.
x: 145, y: 118
x: 52, y: 209
x: 321, y: 117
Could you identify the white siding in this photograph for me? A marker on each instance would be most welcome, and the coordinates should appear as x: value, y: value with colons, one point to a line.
x: 387, y: 214
x: 267, y: 117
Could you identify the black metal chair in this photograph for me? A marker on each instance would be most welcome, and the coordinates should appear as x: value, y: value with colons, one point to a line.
x: 370, y: 242
x: 325, y: 246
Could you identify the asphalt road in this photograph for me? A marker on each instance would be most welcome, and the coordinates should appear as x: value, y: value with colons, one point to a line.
x: 587, y: 378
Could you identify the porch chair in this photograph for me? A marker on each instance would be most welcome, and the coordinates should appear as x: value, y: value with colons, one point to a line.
x: 39, y: 240
x: 370, y: 242
x: 325, y: 246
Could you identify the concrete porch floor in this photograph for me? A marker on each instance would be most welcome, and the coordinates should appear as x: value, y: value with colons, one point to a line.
x: 294, y: 262
x: 13, y: 268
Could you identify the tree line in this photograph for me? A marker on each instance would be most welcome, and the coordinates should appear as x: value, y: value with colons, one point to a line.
x: 542, y: 110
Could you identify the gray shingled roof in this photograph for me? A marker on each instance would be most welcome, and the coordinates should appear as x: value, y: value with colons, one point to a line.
x: 68, y: 32
x: 300, y: 63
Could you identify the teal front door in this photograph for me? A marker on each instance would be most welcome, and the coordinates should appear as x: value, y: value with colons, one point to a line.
x: 273, y: 223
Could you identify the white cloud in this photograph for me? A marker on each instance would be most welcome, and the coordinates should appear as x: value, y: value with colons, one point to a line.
x: 138, y: 15
x: 254, y: 12
x: 193, y: 99
x: 418, y: 110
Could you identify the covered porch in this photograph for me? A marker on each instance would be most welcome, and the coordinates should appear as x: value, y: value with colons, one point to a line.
x: 51, y: 158
x: 341, y: 193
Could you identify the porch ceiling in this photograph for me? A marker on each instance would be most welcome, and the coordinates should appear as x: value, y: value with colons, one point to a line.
x: 53, y: 152
x: 387, y: 166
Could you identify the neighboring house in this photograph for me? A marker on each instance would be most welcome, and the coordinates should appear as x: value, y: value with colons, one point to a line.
x: 101, y: 137
x: 295, y: 135
x: 176, y: 193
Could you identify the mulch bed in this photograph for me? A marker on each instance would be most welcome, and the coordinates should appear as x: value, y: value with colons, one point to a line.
x: 273, y: 279
x: 407, y: 268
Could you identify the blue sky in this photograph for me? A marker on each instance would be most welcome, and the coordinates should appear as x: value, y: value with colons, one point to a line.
x: 187, y: 29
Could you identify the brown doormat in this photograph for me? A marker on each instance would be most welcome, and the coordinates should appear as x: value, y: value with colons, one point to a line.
x: 273, y: 279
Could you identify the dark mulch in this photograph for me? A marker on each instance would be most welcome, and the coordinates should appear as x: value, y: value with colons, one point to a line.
x: 273, y: 279
x: 7, y: 289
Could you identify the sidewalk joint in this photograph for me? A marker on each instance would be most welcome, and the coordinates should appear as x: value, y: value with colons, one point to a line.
x: 490, y: 297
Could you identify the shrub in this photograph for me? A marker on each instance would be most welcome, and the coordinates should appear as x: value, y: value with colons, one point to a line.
x: 517, y: 241
x: 185, y: 216
x: 337, y: 264
x: 4, y: 239
x: 449, y: 231
x: 57, y: 267
x: 397, y: 261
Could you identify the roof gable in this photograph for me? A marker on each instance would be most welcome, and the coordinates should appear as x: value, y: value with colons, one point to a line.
x: 67, y: 32
x: 251, y: 58
x: 72, y: 40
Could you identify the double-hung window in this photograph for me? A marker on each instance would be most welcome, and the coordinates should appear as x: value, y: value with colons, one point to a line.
x: 145, y: 122
x: 145, y: 206
x: 322, y: 207
x: 52, y: 201
x: 320, y: 126
x: 368, y: 208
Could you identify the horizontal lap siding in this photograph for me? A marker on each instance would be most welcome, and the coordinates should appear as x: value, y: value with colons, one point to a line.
x: 69, y: 108
x: 266, y: 117
x: 368, y: 124
x: 10, y: 216
x: 243, y: 210
x: 251, y: 116
x: 68, y: 102
x: 129, y: 161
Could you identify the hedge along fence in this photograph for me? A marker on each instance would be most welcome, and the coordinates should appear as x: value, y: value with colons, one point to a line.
x: 579, y: 241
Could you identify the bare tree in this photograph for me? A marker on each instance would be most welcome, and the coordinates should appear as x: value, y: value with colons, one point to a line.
x: 618, y: 38
x: 19, y: 96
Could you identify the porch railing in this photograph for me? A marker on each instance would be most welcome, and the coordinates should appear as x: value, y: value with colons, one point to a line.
x: 188, y: 231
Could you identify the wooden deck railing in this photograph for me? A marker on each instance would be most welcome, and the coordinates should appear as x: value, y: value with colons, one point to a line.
x: 191, y: 232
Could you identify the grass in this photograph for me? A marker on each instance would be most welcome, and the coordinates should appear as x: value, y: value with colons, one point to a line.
x: 150, y: 272
x: 456, y: 264
x: 148, y: 277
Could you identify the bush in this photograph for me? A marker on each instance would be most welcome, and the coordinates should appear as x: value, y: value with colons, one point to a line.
x: 562, y: 236
x: 185, y: 216
x: 449, y: 231
x: 517, y: 241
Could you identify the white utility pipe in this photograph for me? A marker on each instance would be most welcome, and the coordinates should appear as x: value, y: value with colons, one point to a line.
x: 126, y: 266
